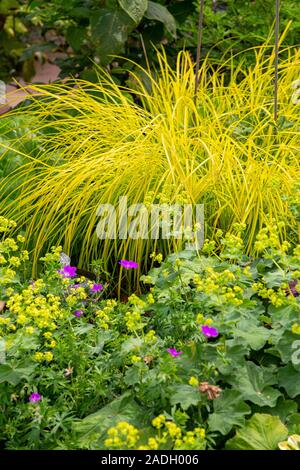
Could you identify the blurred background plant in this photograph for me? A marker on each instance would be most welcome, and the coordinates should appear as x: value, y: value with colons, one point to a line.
x: 78, y: 33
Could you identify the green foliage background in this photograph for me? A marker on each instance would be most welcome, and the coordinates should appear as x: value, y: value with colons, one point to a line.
x: 97, y: 29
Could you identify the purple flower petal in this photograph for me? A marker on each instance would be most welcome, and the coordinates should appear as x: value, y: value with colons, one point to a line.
x: 68, y: 271
x: 78, y: 313
x: 209, y: 331
x: 35, y: 397
x: 97, y: 288
x: 174, y: 352
x: 128, y: 264
x: 293, y: 288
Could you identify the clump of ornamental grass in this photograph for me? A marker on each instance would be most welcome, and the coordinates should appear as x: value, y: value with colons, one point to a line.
x: 154, y: 144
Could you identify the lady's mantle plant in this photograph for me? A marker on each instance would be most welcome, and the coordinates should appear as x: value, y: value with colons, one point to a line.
x: 207, y: 358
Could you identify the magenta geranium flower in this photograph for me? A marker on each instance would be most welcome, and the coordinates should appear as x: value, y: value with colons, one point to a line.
x: 128, y: 264
x: 78, y: 313
x: 96, y: 288
x: 209, y: 331
x: 35, y: 397
x: 174, y: 352
x: 68, y: 271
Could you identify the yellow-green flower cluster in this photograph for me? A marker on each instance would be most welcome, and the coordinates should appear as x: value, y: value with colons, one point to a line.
x: 135, y: 359
x: 217, y: 282
x: 43, y: 356
x: 208, y: 246
x: 53, y: 256
x: 194, y: 382
x: 169, y: 431
x: 122, y: 436
x: 296, y: 251
x: 7, y: 277
x: 9, y: 260
x: 159, y: 421
x: 268, y: 239
x: 296, y: 329
x: 232, y: 295
x: 238, y: 227
x: 150, y: 299
x: 77, y: 294
x: 277, y: 298
x: 136, y: 301
x: 6, y: 225
x: 147, y: 279
x: 182, y: 198
x: 157, y: 257
x: 103, y: 316
x: 51, y: 343
x: 150, y: 337
x: 233, y: 245
x: 33, y: 308
x: 191, y: 440
x: 125, y: 436
x: 133, y: 320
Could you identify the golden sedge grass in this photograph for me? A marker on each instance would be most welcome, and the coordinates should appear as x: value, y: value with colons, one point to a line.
x: 98, y: 144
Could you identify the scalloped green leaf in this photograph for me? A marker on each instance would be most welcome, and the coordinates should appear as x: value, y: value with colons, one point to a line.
x: 261, y: 432
x: 229, y: 411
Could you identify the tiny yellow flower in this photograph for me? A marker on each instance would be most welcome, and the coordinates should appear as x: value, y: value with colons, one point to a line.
x: 47, y: 335
x: 29, y: 330
x: 48, y: 356
x: 39, y: 356
x: 135, y: 359
x: 296, y: 329
x: 152, y: 443
x: 158, y: 421
x: 194, y: 382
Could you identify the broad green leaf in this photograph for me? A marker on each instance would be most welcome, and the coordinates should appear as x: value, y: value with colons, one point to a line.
x: 235, y: 357
x: 261, y: 432
x: 129, y: 345
x: 253, y: 382
x: 283, y: 409
x: 109, y: 30
x: 14, y: 376
x: 134, y: 8
x: 254, y: 336
x: 283, y: 315
x: 133, y: 374
x: 285, y: 346
x: 294, y: 423
x: 275, y: 278
x: 229, y: 411
x: 82, y: 330
x: 75, y: 36
x: 185, y: 395
x: 158, y: 12
x: 289, y: 379
x: 124, y: 408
